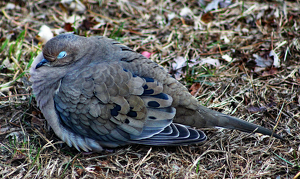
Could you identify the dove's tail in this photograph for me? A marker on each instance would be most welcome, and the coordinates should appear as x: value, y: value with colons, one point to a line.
x: 217, y: 119
x: 206, y: 118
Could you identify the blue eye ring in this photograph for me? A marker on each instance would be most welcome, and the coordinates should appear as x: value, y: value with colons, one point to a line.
x: 62, y: 54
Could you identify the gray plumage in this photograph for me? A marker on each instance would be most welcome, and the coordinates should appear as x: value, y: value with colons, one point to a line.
x: 95, y: 93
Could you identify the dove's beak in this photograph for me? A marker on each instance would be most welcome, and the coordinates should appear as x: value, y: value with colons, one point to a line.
x: 43, y: 62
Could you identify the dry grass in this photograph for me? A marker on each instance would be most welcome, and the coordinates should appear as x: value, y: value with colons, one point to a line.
x: 270, y: 97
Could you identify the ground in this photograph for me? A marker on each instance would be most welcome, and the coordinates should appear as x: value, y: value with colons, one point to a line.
x: 240, y: 58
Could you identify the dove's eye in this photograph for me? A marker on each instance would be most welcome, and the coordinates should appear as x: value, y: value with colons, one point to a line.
x: 62, y: 54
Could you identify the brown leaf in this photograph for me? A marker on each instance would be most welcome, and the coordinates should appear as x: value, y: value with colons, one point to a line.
x: 97, y: 168
x: 86, y: 24
x: 194, y: 88
x: 105, y: 162
x: 17, y: 156
x: 272, y: 71
x: 68, y: 27
x: 207, y: 17
x: 36, y: 121
x: 79, y: 171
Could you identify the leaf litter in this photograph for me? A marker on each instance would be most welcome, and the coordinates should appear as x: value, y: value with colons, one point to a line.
x: 240, y: 58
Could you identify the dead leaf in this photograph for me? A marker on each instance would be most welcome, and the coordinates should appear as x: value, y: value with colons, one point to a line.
x: 86, y: 24
x: 180, y: 62
x: 207, y: 17
x: 262, y: 62
x: 98, y: 168
x: 106, y: 162
x: 212, y: 5
x: 186, y: 12
x: 253, y: 109
x: 11, y: 6
x: 79, y: 171
x: 36, y: 120
x: 267, y: 60
x: 72, y: 5
x: 68, y: 27
x: 211, y: 61
x: 215, y: 3
x: 44, y: 34
x: 272, y: 71
x: 276, y: 61
x: 194, y: 88
x: 171, y: 16
x: 17, y: 156
x: 177, y: 66
x: 227, y: 58
x: 4, y: 130
x: 146, y: 54
x: 225, y: 38
x: 16, y: 135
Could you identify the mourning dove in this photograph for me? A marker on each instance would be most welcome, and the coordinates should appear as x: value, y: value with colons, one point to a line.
x: 96, y: 93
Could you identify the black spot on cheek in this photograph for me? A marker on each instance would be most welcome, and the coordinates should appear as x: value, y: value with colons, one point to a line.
x: 127, y: 121
x: 152, y: 117
x: 153, y: 104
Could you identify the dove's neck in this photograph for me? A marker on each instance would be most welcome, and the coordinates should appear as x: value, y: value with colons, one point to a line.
x: 45, y: 85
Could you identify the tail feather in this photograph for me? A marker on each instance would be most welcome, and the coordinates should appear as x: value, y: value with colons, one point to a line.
x: 244, y: 126
x: 206, y: 118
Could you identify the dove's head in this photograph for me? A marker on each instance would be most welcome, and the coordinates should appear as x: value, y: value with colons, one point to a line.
x: 62, y: 50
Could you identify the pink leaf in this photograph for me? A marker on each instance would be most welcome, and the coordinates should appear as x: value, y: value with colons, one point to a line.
x: 146, y: 54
